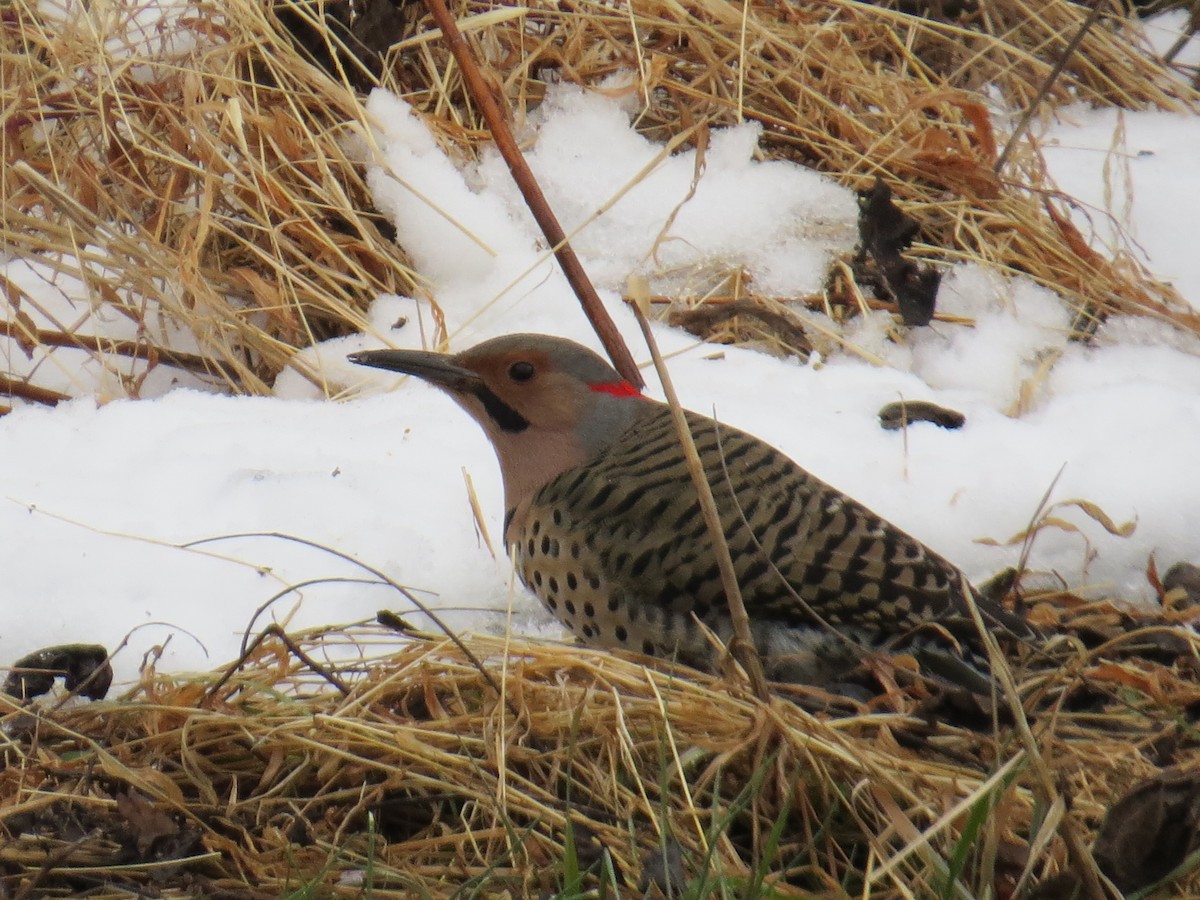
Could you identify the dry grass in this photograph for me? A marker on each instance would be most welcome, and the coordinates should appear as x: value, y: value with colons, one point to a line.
x: 207, y: 189
x: 423, y: 781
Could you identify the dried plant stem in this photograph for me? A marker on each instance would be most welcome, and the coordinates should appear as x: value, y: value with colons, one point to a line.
x: 11, y: 387
x: 383, y: 578
x: 1085, y: 26
x: 202, y: 365
x: 742, y: 646
x: 274, y: 630
x: 601, y: 321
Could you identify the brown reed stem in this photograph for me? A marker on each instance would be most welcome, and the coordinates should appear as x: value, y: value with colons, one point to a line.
x: 483, y: 97
x: 742, y: 646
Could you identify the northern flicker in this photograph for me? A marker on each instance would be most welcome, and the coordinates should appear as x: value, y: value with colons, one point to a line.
x: 604, y: 526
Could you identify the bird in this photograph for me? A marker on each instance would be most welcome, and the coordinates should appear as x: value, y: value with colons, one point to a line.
x: 604, y: 526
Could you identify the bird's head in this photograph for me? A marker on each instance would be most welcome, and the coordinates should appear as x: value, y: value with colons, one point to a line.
x: 546, y: 403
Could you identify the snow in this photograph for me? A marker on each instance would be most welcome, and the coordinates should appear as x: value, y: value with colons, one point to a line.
x: 103, y: 498
x: 1140, y: 166
x: 468, y: 231
x: 50, y: 299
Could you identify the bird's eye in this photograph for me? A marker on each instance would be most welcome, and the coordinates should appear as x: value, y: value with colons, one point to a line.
x: 520, y: 371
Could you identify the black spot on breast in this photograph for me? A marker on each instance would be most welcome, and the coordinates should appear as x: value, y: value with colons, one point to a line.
x: 553, y: 585
x: 648, y: 647
x: 614, y: 603
x: 546, y: 544
x: 570, y: 607
x: 589, y: 610
x: 622, y: 634
x: 572, y: 581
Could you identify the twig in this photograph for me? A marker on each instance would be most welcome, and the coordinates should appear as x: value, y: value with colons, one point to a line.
x: 54, y: 859
x: 454, y: 638
x: 742, y: 646
x: 11, y: 387
x: 188, y: 361
x: 1092, y: 17
x: 295, y: 650
x: 534, y: 198
x: 1185, y: 36
x: 296, y: 588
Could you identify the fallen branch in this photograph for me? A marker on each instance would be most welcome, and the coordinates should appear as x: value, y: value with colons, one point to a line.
x: 614, y: 344
x: 190, y: 362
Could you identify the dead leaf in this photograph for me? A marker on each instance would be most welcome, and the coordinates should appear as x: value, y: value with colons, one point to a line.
x: 982, y: 134
x: 83, y: 667
x: 1150, y: 830
x: 1113, y: 673
x: 147, y: 822
x: 901, y: 413
x: 1094, y: 512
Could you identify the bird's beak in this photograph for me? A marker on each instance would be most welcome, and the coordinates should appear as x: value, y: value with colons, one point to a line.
x: 436, y: 368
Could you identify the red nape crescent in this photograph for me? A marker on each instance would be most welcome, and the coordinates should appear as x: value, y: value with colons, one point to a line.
x: 616, y: 388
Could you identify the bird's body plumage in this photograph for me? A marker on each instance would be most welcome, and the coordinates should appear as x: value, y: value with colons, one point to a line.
x: 618, y: 550
x: 609, y: 535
